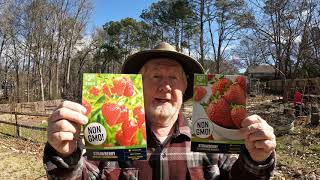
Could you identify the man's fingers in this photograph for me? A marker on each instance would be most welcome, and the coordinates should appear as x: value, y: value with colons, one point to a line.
x: 261, y: 135
x: 62, y: 136
x: 251, y: 120
x: 256, y: 127
x: 69, y: 114
x: 265, y: 145
x: 73, y: 106
x: 64, y: 126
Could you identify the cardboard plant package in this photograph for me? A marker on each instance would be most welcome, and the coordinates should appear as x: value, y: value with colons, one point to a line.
x: 115, y: 109
x: 219, y: 106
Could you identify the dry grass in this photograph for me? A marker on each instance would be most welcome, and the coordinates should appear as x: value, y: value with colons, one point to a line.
x: 20, y: 159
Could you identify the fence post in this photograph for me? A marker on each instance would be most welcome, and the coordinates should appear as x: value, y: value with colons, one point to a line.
x: 16, y: 118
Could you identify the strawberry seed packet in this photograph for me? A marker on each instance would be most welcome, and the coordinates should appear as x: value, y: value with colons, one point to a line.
x: 219, y: 106
x: 115, y: 108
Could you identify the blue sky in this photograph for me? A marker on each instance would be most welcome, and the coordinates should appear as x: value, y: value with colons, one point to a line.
x: 114, y: 10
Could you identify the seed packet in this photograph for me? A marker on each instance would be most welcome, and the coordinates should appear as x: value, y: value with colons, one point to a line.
x: 219, y: 106
x: 115, y: 108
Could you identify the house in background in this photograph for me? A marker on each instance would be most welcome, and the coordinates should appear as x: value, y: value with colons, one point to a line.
x: 258, y: 76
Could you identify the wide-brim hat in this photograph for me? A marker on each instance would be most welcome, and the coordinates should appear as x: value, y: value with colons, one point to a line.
x: 134, y: 63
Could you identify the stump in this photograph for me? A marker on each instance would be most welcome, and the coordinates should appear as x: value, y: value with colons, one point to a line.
x: 289, y: 112
x: 301, y: 120
x: 315, y: 119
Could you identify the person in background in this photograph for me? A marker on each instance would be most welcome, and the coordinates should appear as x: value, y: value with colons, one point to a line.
x: 167, y: 82
x: 297, y: 101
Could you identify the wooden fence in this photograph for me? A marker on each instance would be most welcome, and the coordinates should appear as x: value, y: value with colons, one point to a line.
x: 25, y: 130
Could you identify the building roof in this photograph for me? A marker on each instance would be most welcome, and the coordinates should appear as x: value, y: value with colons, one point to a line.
x: 266, y: 69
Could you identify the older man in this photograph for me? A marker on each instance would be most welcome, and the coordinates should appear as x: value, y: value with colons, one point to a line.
x: 168, y: 82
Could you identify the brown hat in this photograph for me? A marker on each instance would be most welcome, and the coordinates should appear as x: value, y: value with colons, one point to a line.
x: 134, y: 63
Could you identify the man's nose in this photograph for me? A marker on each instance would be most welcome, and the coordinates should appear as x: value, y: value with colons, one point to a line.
x: 165, y: 85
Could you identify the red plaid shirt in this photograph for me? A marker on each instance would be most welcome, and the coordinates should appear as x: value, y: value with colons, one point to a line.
x: 171, y: 159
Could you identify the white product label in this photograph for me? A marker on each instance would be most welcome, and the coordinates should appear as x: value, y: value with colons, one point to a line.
x: 202, y: 128
x: 95, y: 133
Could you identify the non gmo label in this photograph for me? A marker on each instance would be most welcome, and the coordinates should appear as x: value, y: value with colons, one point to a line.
x: 202, y: 128
x: 95, y: 133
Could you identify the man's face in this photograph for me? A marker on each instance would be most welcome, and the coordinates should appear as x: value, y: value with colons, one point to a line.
x: 163, y: 84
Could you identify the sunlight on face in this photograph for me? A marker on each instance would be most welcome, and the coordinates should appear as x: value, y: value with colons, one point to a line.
x: 164, y: 83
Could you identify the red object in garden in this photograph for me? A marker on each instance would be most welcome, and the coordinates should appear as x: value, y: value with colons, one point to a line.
x: 297, y: 97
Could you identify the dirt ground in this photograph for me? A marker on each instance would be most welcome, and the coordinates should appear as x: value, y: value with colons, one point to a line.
x: 298, y: 150
x: 20, y: 159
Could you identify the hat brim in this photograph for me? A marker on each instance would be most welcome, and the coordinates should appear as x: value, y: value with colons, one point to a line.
x: 134, y: 63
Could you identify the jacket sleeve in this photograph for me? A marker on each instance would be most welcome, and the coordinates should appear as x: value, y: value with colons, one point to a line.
x: 246, y: 168
x: 72, y: 167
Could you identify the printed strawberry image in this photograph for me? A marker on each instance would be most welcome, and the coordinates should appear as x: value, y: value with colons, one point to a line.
x: 129, y: 90
x: 106, y: 90
x: 199, y: 93
x: 111, y: 113
x: 210, y: 77
x: 144, y: 133
x: 241, y: 80
x: 220, y: 86
x: 87, y: 106
x: 119, y: 85
x: 218, y: 111
x: 94, y: 91
x: 238, y: 113
x: 127, y: 135
x: 138, y: 114
x: 235, y: 95
x: 124, y: 115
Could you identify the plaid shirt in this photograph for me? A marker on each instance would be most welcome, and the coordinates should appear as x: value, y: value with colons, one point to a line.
x: 171, y: 159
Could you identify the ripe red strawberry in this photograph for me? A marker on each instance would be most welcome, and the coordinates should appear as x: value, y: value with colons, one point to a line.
x: 219, y: 112
x: 138, y: 113
x: 199, y: 93
x: 111, y: 113
x: 129, y: 90
x: 119, y: 85
x: 122, y: 141
x: 238, y: 113
x: 221, y: 86
x: 124, y: 115
x: 210, y: 77
x: 241, y: 80
x: 94, y: 91
x: 129, y: 128
x: 87, y: 106
x: 106, y: 90
x: 235, y: 95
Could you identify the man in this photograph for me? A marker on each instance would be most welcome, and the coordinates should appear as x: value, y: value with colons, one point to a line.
x: 168, y: 82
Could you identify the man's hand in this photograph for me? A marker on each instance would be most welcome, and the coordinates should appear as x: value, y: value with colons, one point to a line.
x: 259, y: 137
x: 64, y: 127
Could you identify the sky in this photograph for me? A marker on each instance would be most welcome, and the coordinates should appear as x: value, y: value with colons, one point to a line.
x: 114, y: 10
